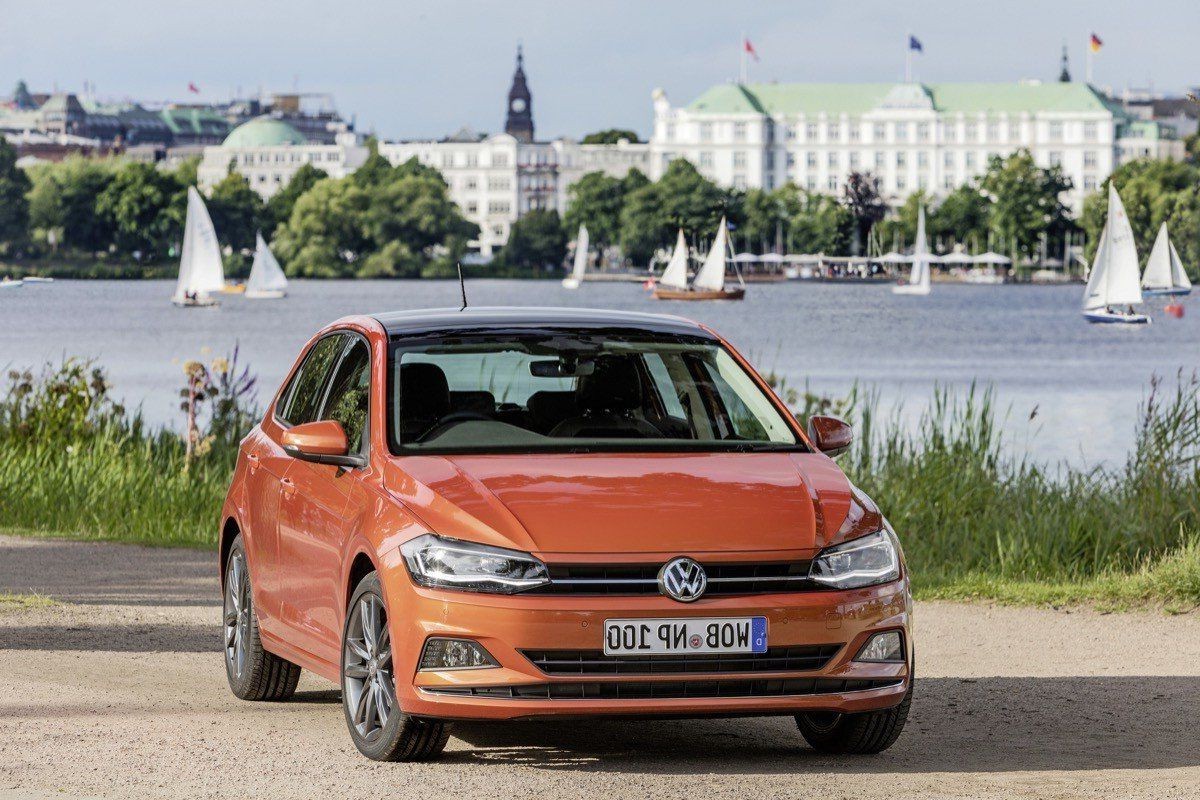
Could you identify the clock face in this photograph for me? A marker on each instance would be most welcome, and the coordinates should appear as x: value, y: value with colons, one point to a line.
x: 518, y: 105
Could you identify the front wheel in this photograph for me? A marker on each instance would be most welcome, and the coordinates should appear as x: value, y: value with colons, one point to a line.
x: 860, y: 734
x: 380, y: 730
x: 253, y: 673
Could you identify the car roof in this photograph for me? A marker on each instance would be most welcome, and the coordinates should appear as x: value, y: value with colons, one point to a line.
x: 516, y: 319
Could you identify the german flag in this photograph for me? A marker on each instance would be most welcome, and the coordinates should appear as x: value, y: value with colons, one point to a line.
x: 1095, y: 43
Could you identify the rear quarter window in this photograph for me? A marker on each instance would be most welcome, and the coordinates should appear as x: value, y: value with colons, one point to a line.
x: 301, y: 400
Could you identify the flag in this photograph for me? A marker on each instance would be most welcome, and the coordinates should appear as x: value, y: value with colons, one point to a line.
x: 193, y: 88
x: 915, y: 44
x: 749, y: 48
x: 1095, y: 43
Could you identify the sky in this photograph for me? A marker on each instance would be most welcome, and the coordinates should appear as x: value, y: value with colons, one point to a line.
x: 425, y: 69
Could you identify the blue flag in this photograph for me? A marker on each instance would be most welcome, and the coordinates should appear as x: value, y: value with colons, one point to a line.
x: 915, y: 44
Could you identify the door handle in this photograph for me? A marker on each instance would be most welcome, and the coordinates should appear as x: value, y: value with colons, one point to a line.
x: 289, y: 486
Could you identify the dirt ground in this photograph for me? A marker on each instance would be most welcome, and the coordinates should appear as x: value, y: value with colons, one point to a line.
x: 119, y: 691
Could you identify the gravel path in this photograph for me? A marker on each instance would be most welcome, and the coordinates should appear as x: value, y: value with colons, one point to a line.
x: 118, y: 691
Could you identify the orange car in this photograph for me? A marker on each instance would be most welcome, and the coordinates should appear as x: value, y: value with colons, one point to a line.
x: 503, y: 514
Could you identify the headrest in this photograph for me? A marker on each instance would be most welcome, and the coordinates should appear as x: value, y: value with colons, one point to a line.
x: 424, y: 392
x: 614, y: 385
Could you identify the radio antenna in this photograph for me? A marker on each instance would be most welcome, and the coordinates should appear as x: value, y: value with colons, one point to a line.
x: 462, y: 285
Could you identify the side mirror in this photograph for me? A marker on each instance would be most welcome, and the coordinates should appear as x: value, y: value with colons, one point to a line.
x: 321, y: 442
x: 831, y: 435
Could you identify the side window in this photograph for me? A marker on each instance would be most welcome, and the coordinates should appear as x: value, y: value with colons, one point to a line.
x: 349, y: 393
x: 302, y: 400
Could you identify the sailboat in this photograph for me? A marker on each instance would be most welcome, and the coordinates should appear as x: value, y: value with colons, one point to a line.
x: 709, y: 283
x: 200, y: 267
x: 266, y: 281
x: 1114, y: 278
x: 573, y: 280
x: 918, y: 281
x: 1164, y: 271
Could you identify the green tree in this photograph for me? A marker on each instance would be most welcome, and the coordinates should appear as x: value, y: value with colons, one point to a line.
x: 861, y: 197
x: 280, y: 205
x: 900, y: 230
x: 681, y: 198
x: 1026, y: 201
x: 764, y: 214
x: 413, y: 216
x: 961, y: 217
x: 325, y: 236
x: 236, y: 211
x: 62, y: 203
x: 536, y: 242
x: 144, y: 208
x: 819, y: 224
x: 611, y: 136
x: 596, y: 200
x: 14, y: 207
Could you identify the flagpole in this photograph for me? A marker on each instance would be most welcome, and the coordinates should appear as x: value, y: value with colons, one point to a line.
x: 744, y: 78
x: 908, y: 59
x: 1088, y: 62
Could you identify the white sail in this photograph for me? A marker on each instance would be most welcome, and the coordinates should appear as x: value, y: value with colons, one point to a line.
x: 711, y: 275
x: 675, y: 275
x: 1179, y: 278
x: 1115, y: 279
x: 266, y: 276
x: 1158, y: 273
x: 573, y: 280
x: 919, y: 277
x: 200, y: 267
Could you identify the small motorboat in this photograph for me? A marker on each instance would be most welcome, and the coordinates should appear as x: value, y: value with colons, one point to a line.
x: 1108, y: 316
x: 11, y: 283
x: 37, y: 279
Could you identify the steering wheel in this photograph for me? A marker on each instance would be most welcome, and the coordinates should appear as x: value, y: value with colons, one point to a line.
x: 452, y: 419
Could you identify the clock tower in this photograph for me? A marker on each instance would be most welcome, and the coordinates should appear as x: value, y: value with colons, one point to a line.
x: 519, y: 122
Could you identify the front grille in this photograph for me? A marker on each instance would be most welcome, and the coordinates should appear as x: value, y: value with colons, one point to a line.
x: 642, y: 579
x: 665, y: 690
x: 806, y: 658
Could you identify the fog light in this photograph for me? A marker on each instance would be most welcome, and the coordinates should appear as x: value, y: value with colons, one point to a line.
x: 455, y: 654
x: 887, y: 646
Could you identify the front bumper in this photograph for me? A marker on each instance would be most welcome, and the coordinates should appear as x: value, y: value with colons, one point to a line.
x: 508, y: 625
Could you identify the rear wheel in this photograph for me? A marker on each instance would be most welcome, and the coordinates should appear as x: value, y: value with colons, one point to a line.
x: 380, y: 730
x: 253, y: 673
x: 863, y: 733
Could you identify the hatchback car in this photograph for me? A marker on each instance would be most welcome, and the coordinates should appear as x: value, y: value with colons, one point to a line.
x: 505, y: 514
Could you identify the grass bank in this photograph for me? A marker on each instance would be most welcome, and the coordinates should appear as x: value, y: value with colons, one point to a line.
x: 976, y: 522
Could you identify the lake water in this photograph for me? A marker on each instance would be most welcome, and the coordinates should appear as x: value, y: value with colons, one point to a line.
x: 1029, y: 342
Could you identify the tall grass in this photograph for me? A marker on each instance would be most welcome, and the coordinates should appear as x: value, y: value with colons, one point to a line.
x: 975, y: 520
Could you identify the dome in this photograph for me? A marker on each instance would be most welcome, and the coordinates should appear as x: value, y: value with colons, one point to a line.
x: 264, y: 132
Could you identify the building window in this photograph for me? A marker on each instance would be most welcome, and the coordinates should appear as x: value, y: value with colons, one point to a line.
x: 739, y: 131
x: 922, y: 159
x: 1091, y: 131
x: 810, y: 132
x: 739, y: 160
x: 1054, y: 131
x: 855, y: 132
x: 993, y: 131
x: 472, y: 206
x: 1055, y: 158
x: 739, y: 181
x: 706, y: 131
x: 810, y: 159
x: 789, y: 132
x: 832, y: 183
x: 1014, y: 131
x: 854, y: 159
x: 770, y: 160
x: 832, y: 160
x: 1089, y: 183
x: 770, y: 182
x: 878, y: 132
x: 901, y: 131
x: 810, y: 183
x: 971, y: 132
x: 1090, y: 159
x: 901, y: 183
x: 791, y: 159
x: 499, y: 159
x: 706, y: 159
x: 922, y: 131
x: 947, y: 181
x: 834, y: 132
x: 498, y: 207
x: 969, y: 160
x: 948, y: 160
x: 901, y: 159
x: 878, y: 161
x: 499, y: 184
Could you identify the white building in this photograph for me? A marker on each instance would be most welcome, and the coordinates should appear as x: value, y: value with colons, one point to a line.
x: 269, y: 151
x: 910, y: 136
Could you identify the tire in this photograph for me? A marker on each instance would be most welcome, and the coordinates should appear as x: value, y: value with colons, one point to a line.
x: 855, y: 734
x: 253, y: 673
x: 379, y: 728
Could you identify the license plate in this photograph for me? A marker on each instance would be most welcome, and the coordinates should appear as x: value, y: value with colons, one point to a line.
x: 623, y: 637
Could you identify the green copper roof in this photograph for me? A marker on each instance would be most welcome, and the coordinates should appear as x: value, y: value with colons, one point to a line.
x: 193, y: 120
x: 859, y: 98
x: 264, y: 132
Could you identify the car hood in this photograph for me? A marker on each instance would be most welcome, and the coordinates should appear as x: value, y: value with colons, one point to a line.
x: 599, y: 504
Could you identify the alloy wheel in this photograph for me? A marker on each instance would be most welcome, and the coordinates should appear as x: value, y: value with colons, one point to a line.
x: 237, y: 614
x: 367, y: 672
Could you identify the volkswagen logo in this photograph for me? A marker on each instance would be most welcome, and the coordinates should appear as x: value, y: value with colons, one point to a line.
x: 682, y: 579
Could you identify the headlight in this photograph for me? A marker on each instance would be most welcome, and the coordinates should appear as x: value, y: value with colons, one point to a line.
x: 865, y: 561
x: 451, y: 564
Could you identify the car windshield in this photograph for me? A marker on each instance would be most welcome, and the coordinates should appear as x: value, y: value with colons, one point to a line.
x: 578, y: 392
